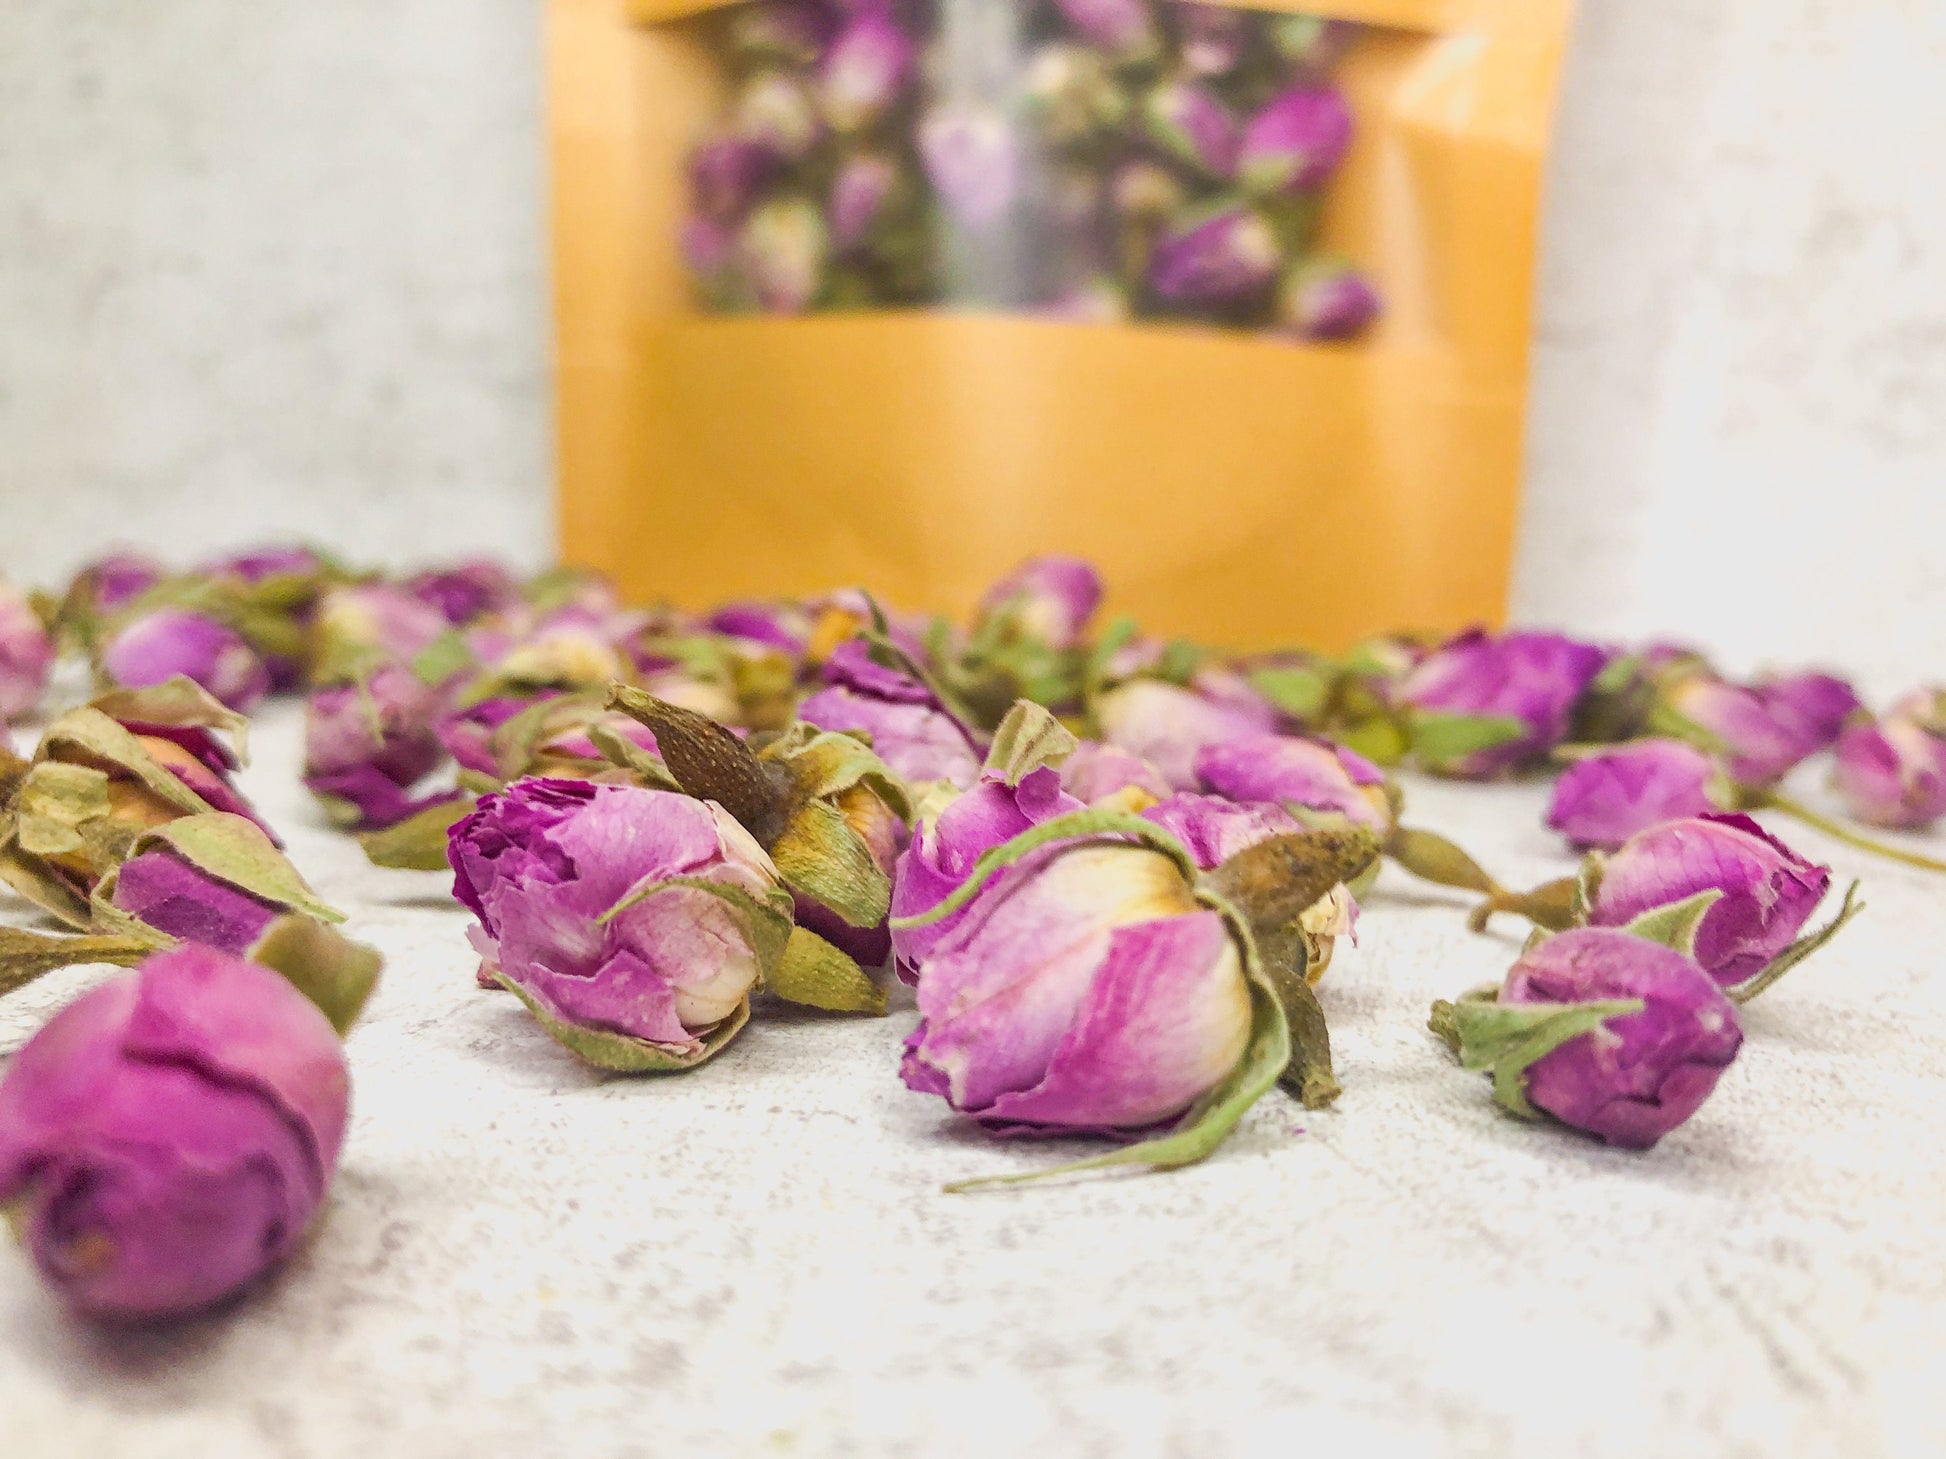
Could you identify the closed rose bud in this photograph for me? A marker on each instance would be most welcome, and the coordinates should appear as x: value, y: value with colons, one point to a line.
x: 1169, y: 725
x: 1482, y: 705
x: 1605, y: 1031
x: 1073, y: 94
x: 367, y: 745
x: 1215, y: 38
x: 972, y: 158
x: 865, y: 71
x: 1213, y: 829
x: 157, y: 646
x: 1891, y: 773
x: 727, y: 174
x: 1768, y: 891
x: 1085, y: 989
x: 786, y: 33
x: 1229, y: 256
x: 943, y: 852
x: 1126, y: 29
x: 467, y: 734
x: 167, y: 1138
x: 26, y: 655
x: 1326, y: 299
x: 466, y: 591
x: 1051, y: 599
x: 111, y: 583
x: 784, y: 626
x: 1312, y: 778
x: 782, y: 251
x: 776, y: 111
x: 1191, y: 123
x: 1759, y: 742
x: 1095, y: 772
x: 1295, y: 142
x: 1813, y: 706
x: 911, y: 730
x: 1604, y: 799
x: 361, y: 628
x: 590, y: 908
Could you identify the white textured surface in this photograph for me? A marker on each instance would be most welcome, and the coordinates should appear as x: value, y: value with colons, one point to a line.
x: 524, y: 1258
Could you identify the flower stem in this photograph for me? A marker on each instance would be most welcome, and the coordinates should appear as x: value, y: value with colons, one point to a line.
x: 1839, y: 831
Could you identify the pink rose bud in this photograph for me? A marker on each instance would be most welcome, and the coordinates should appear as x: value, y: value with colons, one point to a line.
x: 1126, y: 29
x: 467, y: 734
x: 466, y: 591
x: 167, y: 1138
x: 361, y: 628
x: 590, y: 908
x: 367, y: 745
x: 784, y: 626
x: 1326, y: 299
x: 727, y: 174
x: 1483, y: 705
x: 26, y: 655
x: 782, y: 251
x: 1605, y: 1031
x: 860, y: 193
x: 1191, y: 123
x: 1760, y: 741
x: 261, y: 564
x: 111, y: 583
x: 1295, y: 142
x: 1213, y: 829
x: 1229, y: 256
x: 1892, y: 773
x: 1169, y: 725
x: 1811, y: 705
x: 1768, y: 891
x: 910, y: 729
x: 1095, y: 772
x: 972, y: 158
x: 157, y: 646
x: 1215, y: 38
x: 1051, y: 599
x: 1307, y: 777
x: 1604, y: 799
x: 866, y: 71
x: 776, y: 111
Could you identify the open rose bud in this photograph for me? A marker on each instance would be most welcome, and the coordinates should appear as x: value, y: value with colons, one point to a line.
x: 1605, y: 1031
x: 367, y: 745
x: 168, y: 1137
x: 1759, y: 740
x: 1125, y: 29
x: 1095, y: 773
x: 911, y: 729
x: 1812, y: 705
x: 782, y: 251
x: 26, y: 655
x: 1311, y: 778
x: 1189, y: 121
x: 1295, y: 142
x: 1603, y: 799
x: 1216, y: 258
x: 1891, y: 773
x: 866, y: 71
x: 972, y: 157
x: 155, y: 647
x: 1169, y: 725
x: 1326, y: 299
x: 1482, y: 705
x: 633, y: 923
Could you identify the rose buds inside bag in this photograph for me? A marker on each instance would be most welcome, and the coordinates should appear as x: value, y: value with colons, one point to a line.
x: 892, y: 293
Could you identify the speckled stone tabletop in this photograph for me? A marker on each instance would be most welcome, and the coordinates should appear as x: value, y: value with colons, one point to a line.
x: 523, y: 1257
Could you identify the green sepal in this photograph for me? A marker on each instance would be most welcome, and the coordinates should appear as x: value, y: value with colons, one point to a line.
x: 418, y: 843
x: 25, y: 955
x: 53, y: 804
x: 178, y: 703
x: 235, y: 849
x: 710, y: 763
x: 1507, y: 1038
x: 624, y: 754
x: 823, y: 764
x: 87, y: 732
x: 445, y: 658
x: 1431, y: 857
x: 1280, y: 957
x: 1302, y: 693
x: 1094, y: 670
x: 1029, y: 738
x: 1791, y: 956
x: 816, y: 974
x: 1674, y: 926
x: 334, y: 972
x: 624, y: 1055
x: 1439, y: 741
x: 821, y: 856
x: 34, y: 882
x: 1379, y: 738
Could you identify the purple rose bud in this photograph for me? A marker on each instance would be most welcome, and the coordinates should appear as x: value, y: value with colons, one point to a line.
x: 972, y: 158
x: 911, y: 730
x: 155, y: 647
x: 1892, y: 773
x: 168, y: 1136
x: 942, y: 853
x: 1050, y: 599
x: 263, y: 563
x: 1215, y: 38
x: 1484, y: 705
x: 365, y: 746
x: 785, y: 627
x: 26, y: 655
x: 1084, y: 989
x: 1095, y: 772
x: 1295, y: 142
x: 546, y: 865
x: 111, y: 583
x: 1326, y: 299
x: 1191, y: 124
x: 1126, y: 29
x: 775, y: 111
x: 361, y: 628
x: 466, y: 591
x: 1760, y: 741
x: 782, y: 251
x: 1604, y: 799
x: 1635, y: 1076
x: 1226, y: 257
x: 1769, y: 891
x: 859, y: 194
x: 1305, y: 776
x: 1811, y: 705
x: 171, y: 895
x: 865, y: 71
x: 1214, y: 829
x: 467, y: 734
x: 1169, y: 726
x: 727, y: 174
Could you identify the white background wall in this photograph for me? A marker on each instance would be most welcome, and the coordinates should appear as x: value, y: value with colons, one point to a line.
x: 279, y: 268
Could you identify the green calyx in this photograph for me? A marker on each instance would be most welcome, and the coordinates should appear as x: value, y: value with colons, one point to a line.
x: 1440, y: 742
x: 418, y: 843
x: 1505, y: 1039
x: 335, y: 973
x: 1029, y: 738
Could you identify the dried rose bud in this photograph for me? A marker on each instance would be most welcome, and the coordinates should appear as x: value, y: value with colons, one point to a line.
x: 359, y: 629
x: 860, y: 196
x: 26, y: 655
x: 727, y: 174
x: 1605, y: 1031
x: 787, y: 33
x: 112, y: 583
x: 911, y: 729
x: 1604, y: 799
x: 1216, y: 39
x: 1891, y: 773
x: 972, y: 158
x: 568, y: 647
x: 866, y: 71
x: 1050, y: 598
x: 1483, y: 705
x: 1073, y: 94
x: 1213, y: 828
x: 1768, y: 891
x: 366, y: 745
x: 1216, y: 258
x: 260, y: 564
x: 1326, y: 299
x: 1758, y: 741
x: 1295, y: 142
x: 466, y: 591
x: 1145, y: 192
x: 1814, y: 706
x: 167, y: 1138
x: 1192, y: 124
x: 776, y: 111
x: 155, y: 647
x: 1311, y: 43
x: 1126, y: 29
x: 784, y: 626
x: 1307, y: 777
x: 1169, y: 725
x: 633, y: 923
x: 1095, y: 773
x: 467, y: 734
x: 782, y: 251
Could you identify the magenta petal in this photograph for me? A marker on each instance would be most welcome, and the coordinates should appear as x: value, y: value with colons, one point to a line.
x: 172, y: 896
